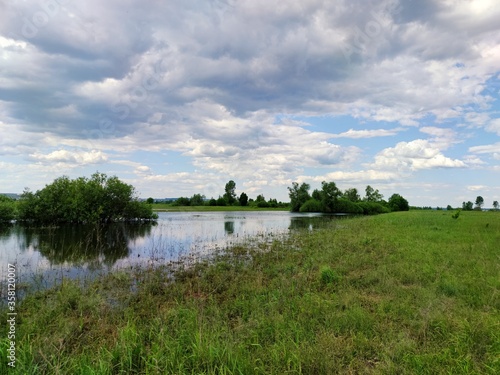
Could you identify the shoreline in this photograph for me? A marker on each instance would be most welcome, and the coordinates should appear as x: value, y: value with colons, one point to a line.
x: 393, y: 293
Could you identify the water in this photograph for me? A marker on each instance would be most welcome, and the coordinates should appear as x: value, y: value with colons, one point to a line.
x: 47, y: 255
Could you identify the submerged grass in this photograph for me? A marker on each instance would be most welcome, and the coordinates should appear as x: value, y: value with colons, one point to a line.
x: 401, y: 293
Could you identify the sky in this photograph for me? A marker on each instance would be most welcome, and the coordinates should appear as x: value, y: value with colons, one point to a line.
x: 179, y: 97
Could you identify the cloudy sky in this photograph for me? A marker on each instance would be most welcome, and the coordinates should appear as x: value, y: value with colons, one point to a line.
x: 178, y: 97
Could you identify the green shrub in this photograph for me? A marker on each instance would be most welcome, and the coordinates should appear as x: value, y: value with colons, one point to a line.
x: 311, y: 205
x: 398, y: 203
x: 372, y: 208
x: 7, y: 209
x: 345, y: 206
x: 99, y: 199
x: 328, y: 276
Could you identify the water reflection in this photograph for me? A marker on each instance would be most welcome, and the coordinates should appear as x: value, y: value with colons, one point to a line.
x: 229, y: 227
x: 76, y: 244
x: 74, y: 251
x: 312, y: 222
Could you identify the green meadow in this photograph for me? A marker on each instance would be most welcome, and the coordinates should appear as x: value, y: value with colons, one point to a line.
x: 413, y: 292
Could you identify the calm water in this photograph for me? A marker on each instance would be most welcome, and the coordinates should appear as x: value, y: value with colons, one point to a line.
x: 46, y: 255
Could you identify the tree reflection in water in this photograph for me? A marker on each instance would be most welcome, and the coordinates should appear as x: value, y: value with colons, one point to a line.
x: 312, y: 222
x: 81, y: 244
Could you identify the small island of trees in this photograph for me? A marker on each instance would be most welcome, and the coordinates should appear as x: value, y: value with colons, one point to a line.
x: 331, y: 199
x: 100, y: 199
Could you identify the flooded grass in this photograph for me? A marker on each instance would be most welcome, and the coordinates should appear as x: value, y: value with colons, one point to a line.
x: 402, y: 293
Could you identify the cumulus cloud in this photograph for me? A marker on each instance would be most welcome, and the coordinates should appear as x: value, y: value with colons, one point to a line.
x: 231, y: 85
x: 354, y: 177
x: 415, y: 155
x: 70, y: 157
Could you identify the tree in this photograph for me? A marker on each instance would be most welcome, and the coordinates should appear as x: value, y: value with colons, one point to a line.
x: 197, y: 200
x: 272, y: 202
x: 352, y: 195
x: 495, y: 205
x: 7, y: 209
x: 449, y: 208
x: 298, y: 195
x: 230, y: 195
x: 99, y: 199
x: 221, y: 201
x: 243, y: 199
x: 261, y: 201
x: 467, y: 206
x: 316, y: 194
x: 150, y: 200
x: 329, y: 195
x: 479, y: 201
x: 182, y: 201
x: 260, y: 198
x: 372, y: 195
x: 398, y: 203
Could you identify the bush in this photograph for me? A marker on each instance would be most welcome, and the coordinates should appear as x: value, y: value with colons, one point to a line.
x: 182, y: 201
x: 221, y: 201
x: 311, y: 205
x: 96, y: 200
x: 398, y: 203
x: 7, y: 209
x: 372, y: 208
x: 345, y: 206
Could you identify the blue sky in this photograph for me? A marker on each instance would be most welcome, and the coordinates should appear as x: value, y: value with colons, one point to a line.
x: 179, y: 97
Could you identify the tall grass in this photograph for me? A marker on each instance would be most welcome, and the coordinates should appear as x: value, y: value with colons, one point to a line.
x: 401, y: 293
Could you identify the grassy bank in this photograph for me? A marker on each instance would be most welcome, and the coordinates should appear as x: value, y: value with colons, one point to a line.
x: 158, y: 207
x: 402, y: 293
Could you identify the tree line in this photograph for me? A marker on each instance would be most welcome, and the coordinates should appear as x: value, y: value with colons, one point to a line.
x: 478, y: 205
x: 228, y: 198
x: 99, y: 199
x: 330, y: 199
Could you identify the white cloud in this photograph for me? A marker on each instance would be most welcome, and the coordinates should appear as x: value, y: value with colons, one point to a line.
x: 354, y: 177
x: 486, y: 149
x: 355, y: 134
x: 70, y: 157
x: 415, y: 155
x: 493, y: 126
x: 231, y: 85
x: 476, y: 187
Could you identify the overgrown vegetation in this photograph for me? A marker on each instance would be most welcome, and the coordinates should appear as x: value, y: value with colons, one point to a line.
x: 100, y: 199
x: 331, y: 200
x: 7, y: 209
x: 406, y: 293
x: 229, y: 198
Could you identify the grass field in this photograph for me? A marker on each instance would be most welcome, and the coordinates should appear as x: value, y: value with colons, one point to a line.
x: 403, y: 293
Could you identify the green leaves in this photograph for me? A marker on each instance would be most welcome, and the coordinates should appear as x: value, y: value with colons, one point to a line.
x: 7, y: 209
x: 96, y: 200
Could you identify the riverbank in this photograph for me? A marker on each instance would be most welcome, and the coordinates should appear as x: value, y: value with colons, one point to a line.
x: 163, y: 207
x: 403, y: 293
